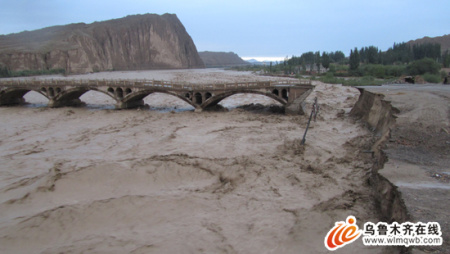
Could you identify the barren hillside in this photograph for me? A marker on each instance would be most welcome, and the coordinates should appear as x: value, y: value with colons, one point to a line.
x: 443, y: 40
x: 135, y: 42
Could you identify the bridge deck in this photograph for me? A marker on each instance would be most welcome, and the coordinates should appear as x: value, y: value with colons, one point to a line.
x: 151, y: 83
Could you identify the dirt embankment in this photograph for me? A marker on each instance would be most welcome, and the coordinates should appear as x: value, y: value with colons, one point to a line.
x: 411, y: 124
x: 378, y: 114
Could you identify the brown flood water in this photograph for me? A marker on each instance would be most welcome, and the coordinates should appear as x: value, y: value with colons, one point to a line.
x: 97, y: 180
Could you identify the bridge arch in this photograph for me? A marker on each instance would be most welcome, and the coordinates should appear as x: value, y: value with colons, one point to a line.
x: 214, y: 100
x: 285, y: 94
x: 140, y: 95
x: 77, y: 92
x: 15, y: 95
x: 198, y: 98
x: 119, y: 93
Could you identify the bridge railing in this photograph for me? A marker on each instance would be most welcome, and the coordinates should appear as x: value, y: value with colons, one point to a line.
x: 143, y: 83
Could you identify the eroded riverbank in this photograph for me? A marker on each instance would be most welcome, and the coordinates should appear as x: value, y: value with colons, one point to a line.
x: 416, y: 124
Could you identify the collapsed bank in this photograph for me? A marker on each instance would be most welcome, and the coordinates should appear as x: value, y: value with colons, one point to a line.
x: 410, y: 126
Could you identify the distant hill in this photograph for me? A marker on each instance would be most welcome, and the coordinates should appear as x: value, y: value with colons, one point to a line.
x: 136, y: 42
x: 221, y: 59
x: 443, y: 40
x: 256, y: 62
x: 253, y: 61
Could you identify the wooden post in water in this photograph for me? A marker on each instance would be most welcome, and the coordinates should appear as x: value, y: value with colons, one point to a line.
x: 314, y: 112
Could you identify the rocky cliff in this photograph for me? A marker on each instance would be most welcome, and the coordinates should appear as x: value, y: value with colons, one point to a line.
x: 221, y: 59
x: 135, y: 42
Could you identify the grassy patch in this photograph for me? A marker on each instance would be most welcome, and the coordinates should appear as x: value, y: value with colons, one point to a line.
x: 432, y: 78
x: 359, y: 81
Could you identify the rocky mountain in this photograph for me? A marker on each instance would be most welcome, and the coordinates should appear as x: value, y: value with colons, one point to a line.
x: 443, y: 40
x: 221, y: 59
x: 135, y: 42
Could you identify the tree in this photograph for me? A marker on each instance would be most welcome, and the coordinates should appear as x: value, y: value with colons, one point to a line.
x: 325, y: 60
x: 371, y: 54
x: 400, y: 53
x: 427, y: 50
x: 317, y: 60
x: 337, y: 57
x: 446, y: 59
x: 286, y: 66
x: 354, y: 59
x: 362, y: 55
x: 308, y: 57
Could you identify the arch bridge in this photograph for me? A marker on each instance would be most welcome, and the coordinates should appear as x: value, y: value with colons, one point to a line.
x: 130, y: 93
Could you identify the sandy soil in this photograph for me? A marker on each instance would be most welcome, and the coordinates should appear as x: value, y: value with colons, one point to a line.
x: 419, y: 153
x: 96, y: 180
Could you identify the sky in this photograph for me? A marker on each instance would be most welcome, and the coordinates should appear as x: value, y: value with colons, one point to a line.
x: 255, y: 28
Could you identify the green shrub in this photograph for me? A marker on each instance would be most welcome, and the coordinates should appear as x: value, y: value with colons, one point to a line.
x: 339, y: 70
x: 381, y: 71
x: 330, y: 79
x: 395, y: 70
x: 432, y: 78
x: 376, y: 70
x: 359, y: 72
x: 420, y: 67
x: 4, y: 72
x: 363, y: 81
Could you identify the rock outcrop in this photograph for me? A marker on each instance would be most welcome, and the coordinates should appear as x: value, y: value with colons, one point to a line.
x: 135, y: 42
x: 221, y: 59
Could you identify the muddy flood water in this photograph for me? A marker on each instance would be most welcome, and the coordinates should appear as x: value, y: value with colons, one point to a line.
x: 169, y: 180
